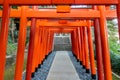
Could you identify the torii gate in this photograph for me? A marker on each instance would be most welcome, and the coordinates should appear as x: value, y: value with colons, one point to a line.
x: 99, y: 13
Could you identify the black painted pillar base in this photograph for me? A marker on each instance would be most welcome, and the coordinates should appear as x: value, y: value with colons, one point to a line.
x: 77, y: 60
x: 93, y: 76
x: 87, y: 70
x: 36, y: 69
x: 39, y: 66
x: 80, y: 62
x: 46, y: 56
x: 32, y: 75
x: 83, y: 66
x: 42, y: 61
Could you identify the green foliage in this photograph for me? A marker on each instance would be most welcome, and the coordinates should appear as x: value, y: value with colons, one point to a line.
x: 113, y: 40
x: 115, y: 61
x: 114, y: 77
x: 9, y: 73
x: 114, y: 47
x: 11, y: 48
x: 15, y: 7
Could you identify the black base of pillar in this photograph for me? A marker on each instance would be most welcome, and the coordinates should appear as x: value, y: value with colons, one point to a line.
x: 80, y: 62
x: 39, y: 66
x: 42, y: 61
x: 83, y: 67
x: 50, y: 52
x: 93, y: 76
x: 74, y: 55
x: 32, y: 75
x: 77, y: 60
x: 46, y: 56
x: 36, y: 69
x: 87, y: 71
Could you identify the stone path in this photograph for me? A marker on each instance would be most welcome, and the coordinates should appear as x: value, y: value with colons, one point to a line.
x: 61, y: 65
x: 62, y: 68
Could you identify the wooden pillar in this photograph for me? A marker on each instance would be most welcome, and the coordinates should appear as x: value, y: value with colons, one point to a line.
x: 42, y: 45
x: 82, y: 45
x: 104, y: 43
x: 40, y: 58
x: 46, y: 38
x: 72, y: 42
x: 4, y: 36
x: 98, y: 49
x: 77, y: 46
x: 52, y: 41
x: 86, y: 50
x: 118, y: 17
x: 48, y: 43
x: 21, y: 44
x: 91, y: 51
x: 36, y: 46
x: 79, y: 42
x: 30, y: 63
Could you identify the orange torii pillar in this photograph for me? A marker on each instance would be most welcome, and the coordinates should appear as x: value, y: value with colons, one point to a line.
x: 43, y: 44
x: 51, y: 41
x: 40, y: 54
x: 91, y: 51
x: 77, y: 45
x: 4, y: 37
x: 98, y: 49
x: 36, y: 49
x: 104, y: 43
x: 85, y: 42
x: 73, y: 43
x: 82, y: 45
x: 47, y: 34
x: 46, y: 41
x: 30, y: 63
x: 21, y: 45
x: 79, y: 42
x: 118, y: 16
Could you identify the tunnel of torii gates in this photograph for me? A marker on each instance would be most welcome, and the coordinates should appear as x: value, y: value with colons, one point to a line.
x: 45, y: 22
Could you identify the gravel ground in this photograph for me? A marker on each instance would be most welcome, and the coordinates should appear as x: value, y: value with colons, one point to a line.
x: 42, y: 73
x: 79, y: 68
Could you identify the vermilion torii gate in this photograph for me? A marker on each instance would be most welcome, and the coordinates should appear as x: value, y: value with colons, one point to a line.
x: 75, y: 21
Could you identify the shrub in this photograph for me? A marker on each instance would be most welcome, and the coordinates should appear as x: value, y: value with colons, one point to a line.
x: 115, y: 61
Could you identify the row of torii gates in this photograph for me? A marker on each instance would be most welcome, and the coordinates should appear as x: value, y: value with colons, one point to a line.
x: 45, y: 22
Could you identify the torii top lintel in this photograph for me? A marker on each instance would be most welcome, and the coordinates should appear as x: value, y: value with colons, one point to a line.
x: 54, y: 2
